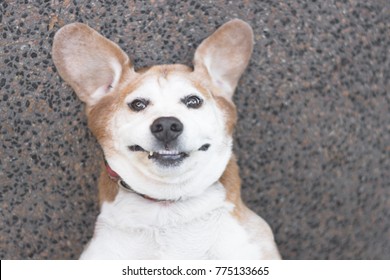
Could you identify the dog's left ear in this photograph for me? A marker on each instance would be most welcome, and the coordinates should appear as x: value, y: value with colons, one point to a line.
x: 90, y: 63
x: 225, y: 54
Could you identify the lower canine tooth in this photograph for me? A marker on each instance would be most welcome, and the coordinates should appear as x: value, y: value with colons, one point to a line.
x: 151, y: 154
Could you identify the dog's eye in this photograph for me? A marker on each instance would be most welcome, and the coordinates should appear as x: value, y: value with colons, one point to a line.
x: 138, y: 104
x: 192, y: 101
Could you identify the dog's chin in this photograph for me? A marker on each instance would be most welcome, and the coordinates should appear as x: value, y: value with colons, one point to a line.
x: 167, y: 158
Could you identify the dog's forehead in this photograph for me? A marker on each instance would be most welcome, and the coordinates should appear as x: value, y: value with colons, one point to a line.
x: 168, y: 81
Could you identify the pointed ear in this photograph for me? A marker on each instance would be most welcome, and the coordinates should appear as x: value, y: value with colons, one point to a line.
x: 90, y: 63
x: 225, y: 54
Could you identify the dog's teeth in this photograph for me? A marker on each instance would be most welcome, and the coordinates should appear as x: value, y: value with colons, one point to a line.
x: 165, y: 152
x: 151, y: 153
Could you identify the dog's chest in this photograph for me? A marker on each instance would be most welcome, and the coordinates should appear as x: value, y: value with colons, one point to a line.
x: 199, y: 229
x: 192, y: 240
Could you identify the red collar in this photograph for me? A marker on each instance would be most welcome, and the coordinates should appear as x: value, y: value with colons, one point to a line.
x: 118, y: 179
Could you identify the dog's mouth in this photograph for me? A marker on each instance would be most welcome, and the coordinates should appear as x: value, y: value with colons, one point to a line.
x: 167, y: 157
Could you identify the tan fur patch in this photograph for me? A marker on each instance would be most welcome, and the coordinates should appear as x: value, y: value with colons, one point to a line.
x: 129, y: 88
x: 199, y: 85
x: 108, y: 189
x: 99, y: 117
x: 165, y: 70
x: 230, y: 179
x: 230, y: 113
x: 203, y: 83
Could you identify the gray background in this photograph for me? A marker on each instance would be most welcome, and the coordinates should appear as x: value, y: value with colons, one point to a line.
x: 313, y: 137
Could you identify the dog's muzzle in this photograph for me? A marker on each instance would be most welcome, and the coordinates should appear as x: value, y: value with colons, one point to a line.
x: 167, y: 130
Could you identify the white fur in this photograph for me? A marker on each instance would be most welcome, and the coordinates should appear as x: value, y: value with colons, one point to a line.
x: 202, y: 227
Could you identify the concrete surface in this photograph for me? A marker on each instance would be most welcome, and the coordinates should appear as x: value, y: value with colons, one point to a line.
x: 313, y: 138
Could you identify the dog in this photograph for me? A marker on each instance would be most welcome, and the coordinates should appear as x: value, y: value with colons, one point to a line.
x: 169, y: 186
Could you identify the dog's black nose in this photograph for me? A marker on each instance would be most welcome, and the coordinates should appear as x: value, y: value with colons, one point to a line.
x: 166, y: 129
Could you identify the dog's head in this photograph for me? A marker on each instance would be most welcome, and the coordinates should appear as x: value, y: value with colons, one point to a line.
x: 166, y: 130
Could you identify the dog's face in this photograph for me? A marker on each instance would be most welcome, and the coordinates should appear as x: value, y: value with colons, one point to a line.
x: 163, y: 130
x: 167, y: 130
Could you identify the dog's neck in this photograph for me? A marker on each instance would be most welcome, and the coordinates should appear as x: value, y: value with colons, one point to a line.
x: 122, y: 184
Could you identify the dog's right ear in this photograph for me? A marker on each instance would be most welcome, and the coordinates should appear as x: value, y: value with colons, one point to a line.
x: 90, y: 63
x: 224, y: 55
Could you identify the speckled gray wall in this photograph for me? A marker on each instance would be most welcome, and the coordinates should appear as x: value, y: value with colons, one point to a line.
x: 313, y: 137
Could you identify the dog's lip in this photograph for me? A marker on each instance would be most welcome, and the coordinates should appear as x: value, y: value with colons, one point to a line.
x: 167, y: 157
x: 136, y: 148
x: 166, y: 153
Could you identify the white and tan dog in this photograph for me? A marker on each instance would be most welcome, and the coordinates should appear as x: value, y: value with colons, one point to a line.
x: 170, y: 188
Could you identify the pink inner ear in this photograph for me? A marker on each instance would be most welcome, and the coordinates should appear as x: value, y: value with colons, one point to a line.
x: 108, y: 86
x: 219, y: 83
x: 100, y: 92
